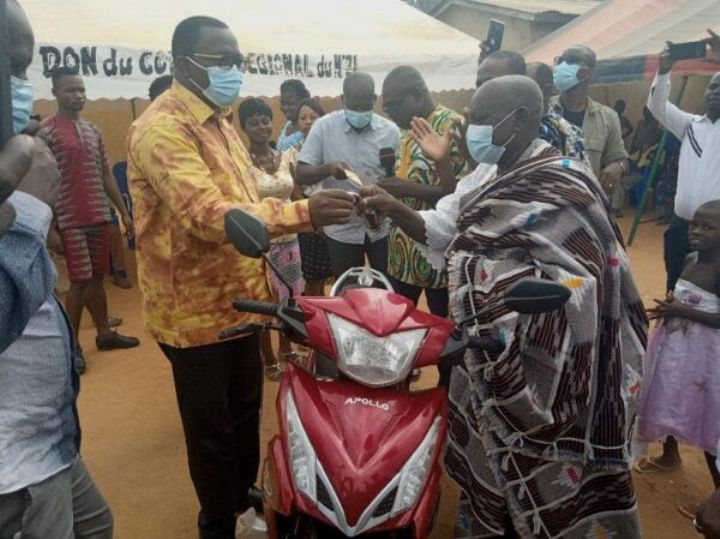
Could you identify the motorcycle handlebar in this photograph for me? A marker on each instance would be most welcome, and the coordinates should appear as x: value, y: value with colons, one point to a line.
x: 494, y: 346
x: 253, y: 306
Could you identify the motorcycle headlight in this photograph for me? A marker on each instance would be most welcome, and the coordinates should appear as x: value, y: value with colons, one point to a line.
x: 416, y: 470
x: 370, y: 360
x: 302, y: 455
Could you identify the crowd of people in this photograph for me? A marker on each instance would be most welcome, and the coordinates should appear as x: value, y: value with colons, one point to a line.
x: 455, y: 205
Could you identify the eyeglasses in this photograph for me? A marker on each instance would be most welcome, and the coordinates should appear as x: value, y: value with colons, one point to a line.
x: 393, y: 104
x: 224, y: 60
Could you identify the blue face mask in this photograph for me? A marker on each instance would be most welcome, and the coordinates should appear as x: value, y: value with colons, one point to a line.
x: 565, y: 76
x: 479, y: 139
x: 22, y: 103
x: 225, y: 84
x: 358, y: 120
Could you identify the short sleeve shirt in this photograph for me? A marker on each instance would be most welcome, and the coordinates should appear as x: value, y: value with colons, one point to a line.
x: 332, y: 139
x: 79, y: 150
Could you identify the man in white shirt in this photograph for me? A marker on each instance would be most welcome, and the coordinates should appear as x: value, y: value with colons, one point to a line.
x: 350, y: 138
x: 699, y: 166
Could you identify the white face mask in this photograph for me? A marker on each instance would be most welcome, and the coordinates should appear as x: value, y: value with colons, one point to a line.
x: 479, y: 140
x: 21, y: 95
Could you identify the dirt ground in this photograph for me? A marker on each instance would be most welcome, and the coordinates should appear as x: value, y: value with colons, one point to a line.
x: 133, y: 442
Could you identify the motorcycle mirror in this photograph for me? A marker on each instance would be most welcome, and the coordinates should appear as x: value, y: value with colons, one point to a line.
x: 247, y: 233
x: 531, y: 296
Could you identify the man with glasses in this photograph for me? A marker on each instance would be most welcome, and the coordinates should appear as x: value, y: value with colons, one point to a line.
x: 600, y: 124
x: 187, y: 167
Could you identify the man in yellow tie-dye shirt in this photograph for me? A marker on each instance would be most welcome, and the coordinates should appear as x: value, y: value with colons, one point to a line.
x: 187, y: 168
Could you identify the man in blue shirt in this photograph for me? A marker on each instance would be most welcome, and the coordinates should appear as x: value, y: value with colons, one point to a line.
x: 350, y: 139
x: 45, y: 489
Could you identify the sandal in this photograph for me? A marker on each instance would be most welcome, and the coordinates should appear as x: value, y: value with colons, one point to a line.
x: 689, y: 510
x: 274, y: 372
x: 647, y: 465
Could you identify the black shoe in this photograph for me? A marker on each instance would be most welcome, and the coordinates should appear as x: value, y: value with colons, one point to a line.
x: 113, y: 341
x: 80, y: 365
x: 255, y: 499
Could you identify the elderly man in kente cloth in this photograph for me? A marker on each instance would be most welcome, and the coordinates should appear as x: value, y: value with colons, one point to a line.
x: 539, y: 433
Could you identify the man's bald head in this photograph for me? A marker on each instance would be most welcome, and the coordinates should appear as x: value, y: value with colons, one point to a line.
x: 20, y: 39
x: 499, y: 64
x: 501, y: 96
x: 713, y: 206
x: 359, y: 92
x: 406, y: 95
x: 542, y: 74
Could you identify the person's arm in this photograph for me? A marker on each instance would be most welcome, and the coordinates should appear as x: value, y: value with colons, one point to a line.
x: 112, y: 190
x: 675, y: 309
x: 627, y: 127
x: 307, y: 174
x: 170, y: 160
x: 310, y: 166
x: 614, y: 157
x: 15, y: 161
x: 385, y: 205
x: 671, y: 117
x: 429, y: 193
x: 27, y: 275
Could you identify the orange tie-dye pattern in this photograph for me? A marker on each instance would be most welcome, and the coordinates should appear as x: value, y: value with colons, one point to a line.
x: 187, y: 167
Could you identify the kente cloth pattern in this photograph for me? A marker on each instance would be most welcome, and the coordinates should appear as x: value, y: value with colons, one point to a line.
x: 541, y: 430
x: 406, y: 262
x: 680, y: 393
x: 187, y: 167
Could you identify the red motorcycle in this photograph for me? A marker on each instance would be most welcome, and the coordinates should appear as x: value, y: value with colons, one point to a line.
x: 359, y: 452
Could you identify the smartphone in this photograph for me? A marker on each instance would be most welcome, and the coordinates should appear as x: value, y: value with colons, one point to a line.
x: 686, y: 51
x: 495, y: 35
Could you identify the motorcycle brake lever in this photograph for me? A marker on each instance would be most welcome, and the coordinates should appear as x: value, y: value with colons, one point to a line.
x: 246, y: 329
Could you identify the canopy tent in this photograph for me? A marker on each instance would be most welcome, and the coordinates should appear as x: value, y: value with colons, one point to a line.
x: 627, y: 36
x: 120, y: 47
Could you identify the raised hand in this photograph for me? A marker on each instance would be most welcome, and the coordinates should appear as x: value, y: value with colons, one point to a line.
x: 713, y: 52
x: 666, y: 62
x: 434, y: 146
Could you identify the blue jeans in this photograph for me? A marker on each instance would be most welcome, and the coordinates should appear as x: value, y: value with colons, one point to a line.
x: 66, y: 505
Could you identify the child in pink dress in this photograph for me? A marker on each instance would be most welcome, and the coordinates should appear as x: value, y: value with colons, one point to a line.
x: 680, y: 393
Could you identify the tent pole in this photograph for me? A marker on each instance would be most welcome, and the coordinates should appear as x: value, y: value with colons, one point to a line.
x: 657, y: 158
x: 133, y: 108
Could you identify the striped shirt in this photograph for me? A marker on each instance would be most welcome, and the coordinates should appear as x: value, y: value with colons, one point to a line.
x: 79, y: 150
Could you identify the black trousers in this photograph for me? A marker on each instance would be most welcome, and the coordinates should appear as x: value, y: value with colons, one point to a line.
x: 437, y: 298
x: 219, y: 393
x: 344, y: 256
x: 676, y: 247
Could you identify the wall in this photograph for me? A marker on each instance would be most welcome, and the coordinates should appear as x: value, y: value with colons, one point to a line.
x: 113, y: 118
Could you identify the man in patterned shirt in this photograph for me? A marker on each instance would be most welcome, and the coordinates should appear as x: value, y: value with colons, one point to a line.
x: 187, y: 168
x: 82, y: 211
x: 419, y: 182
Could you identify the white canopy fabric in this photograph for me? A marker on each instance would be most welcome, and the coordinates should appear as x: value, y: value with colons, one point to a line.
x: 121, y: 46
